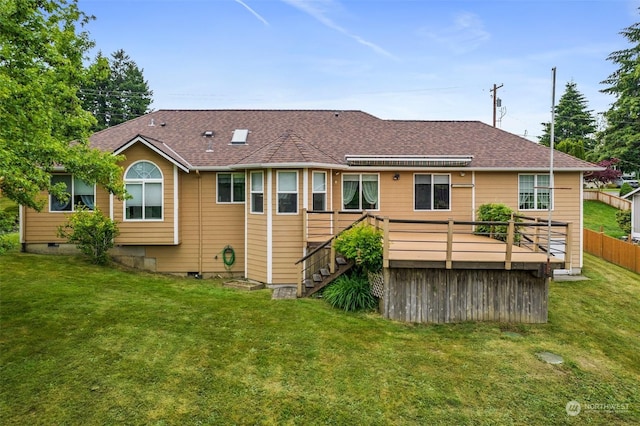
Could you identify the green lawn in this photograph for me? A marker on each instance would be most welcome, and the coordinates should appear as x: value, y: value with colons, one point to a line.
x: 82, y: 344
x: 598, y: 215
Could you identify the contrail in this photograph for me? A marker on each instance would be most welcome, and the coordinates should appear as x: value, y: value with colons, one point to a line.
x: 253, y: 12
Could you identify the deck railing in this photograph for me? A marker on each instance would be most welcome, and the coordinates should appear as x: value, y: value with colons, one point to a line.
x: 444, y: 239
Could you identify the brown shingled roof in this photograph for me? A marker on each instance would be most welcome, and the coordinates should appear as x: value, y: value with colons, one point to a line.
x: 298, y: 137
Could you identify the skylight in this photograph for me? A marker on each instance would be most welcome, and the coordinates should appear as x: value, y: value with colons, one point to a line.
x: 239, y: 136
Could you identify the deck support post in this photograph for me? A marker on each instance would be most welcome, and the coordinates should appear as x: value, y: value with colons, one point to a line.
x: 449, y: 260
x: 509, y: 252
x: 385, y: 242
x: 567, y: 246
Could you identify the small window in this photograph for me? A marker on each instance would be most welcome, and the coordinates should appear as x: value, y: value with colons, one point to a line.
x: 360, y: 192
x: 319, y: 192
x: 143, y: 181
x: 231, y: 187
x: 432, y: 192
x: 287, y: 192
x: 257, y: 192
x: 80, y: 193
x: 534, y: 192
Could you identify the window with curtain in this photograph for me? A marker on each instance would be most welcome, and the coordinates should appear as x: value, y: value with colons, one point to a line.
x: 432, y: 192
x: 231, y: 187
x: 319, y: 192
x: 534, y: 192
x: 360, y: 192
x: 257, y: 192
x: 79, y: 193
x: 143, y: 181
x: 287, y: 188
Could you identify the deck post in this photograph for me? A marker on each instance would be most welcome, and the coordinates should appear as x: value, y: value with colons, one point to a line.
x: 332, y: 257
x: 536, y: 238
x: 449, y: 260
x: 510, y: 232
x: 385, y: 242
x: 300, y: 280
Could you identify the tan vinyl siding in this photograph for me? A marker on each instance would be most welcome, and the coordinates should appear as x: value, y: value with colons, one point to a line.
x: 257, y: 247
x: 222, y: 225
x: 148, y: 232
x: 43, y: 227
x: 288, y: 244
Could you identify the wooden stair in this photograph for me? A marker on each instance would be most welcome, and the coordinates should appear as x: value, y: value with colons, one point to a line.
x: 323, y: 277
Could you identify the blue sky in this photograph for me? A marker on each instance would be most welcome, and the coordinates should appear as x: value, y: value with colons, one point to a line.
x: 401, y: 59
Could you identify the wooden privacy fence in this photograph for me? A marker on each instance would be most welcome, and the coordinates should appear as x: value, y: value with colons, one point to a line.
x: 603, y: 197
x: 621, y: 253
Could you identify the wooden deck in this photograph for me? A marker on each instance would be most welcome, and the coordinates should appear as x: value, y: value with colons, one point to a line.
x: 467, y: 251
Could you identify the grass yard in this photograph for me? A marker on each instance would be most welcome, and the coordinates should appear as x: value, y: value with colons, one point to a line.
x: 82, y: 344
x: 598, y: 215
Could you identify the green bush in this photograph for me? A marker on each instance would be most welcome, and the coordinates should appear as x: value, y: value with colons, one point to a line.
x: 625, y: 188
x: 8, y: 227
x: 623, y: 217
x: 363, y: 245
x: 351, y: 293
x: 92, y: 232
x: 495, y: 212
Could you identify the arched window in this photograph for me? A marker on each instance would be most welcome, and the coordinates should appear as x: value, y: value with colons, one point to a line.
x: 143, y: 181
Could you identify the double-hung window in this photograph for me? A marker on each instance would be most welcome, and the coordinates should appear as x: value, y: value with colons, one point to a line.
x: 287, y: 192
x: 257, y: 192
x: 360, y: 192
x: 432, y: 192
x: 79, y: 193
x: 143, y: 181
x: 230, y: 187
x: 534, y: 192
x: 319, y: 193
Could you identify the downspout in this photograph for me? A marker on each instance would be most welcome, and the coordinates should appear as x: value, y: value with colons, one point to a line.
x: 199, y: 222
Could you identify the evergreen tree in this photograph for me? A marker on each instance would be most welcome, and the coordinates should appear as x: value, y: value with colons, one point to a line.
x: 621, y: 137
x: 575, y: 125
x: 42, y: 124
x: 118, y: 91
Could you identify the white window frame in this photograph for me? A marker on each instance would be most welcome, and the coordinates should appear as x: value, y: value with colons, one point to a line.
x: 255, y: 191
x: 144, y: 181
x: 359, y: 194
x: 280, y: 191
x: 433, y: 192
x: 537, y: 191
x: 322, y: 192
x: 231, y: 189
x: 71, y: 204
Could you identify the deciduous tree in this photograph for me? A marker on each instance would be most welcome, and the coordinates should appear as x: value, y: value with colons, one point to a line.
x: 43, y: 127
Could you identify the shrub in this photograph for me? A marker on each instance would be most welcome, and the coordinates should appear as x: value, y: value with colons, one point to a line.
x: 623, y: 217
x: 8, y: 226
x: 495, y: 212
x: 625, y: 188
x: 362, y: 244
x: 92, y: 232
x: 351, y: 293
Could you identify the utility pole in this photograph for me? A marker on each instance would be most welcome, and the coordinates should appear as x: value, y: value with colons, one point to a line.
x: 495, y: 101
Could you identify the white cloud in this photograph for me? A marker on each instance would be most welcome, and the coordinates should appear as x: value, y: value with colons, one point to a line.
x: 465, y: 34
